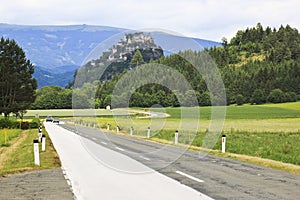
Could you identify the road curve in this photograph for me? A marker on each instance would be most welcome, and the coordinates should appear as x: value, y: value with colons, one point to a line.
x: 216, y: 177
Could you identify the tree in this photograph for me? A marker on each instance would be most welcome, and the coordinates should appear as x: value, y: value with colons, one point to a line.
x: 17, y: 86
x: 239, y: 100
x: 190, y: 99
x: 258, y: 97
x: 290, y: 97
x: 137, y: 59
x: 204, y: 99
x: 276, y: 96
x: 52, y: 97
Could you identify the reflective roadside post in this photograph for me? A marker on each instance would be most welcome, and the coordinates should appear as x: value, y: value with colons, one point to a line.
x: 36, y: 152
x: 148, y: 132
x: 131, y: 130
x: 43, y: 142
x: 108, y: 126
x: 176, y: 137
x: 223, y: 143
x: 40, y: 134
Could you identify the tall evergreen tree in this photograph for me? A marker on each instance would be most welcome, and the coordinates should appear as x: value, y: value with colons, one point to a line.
x: 17, y: 86
x: 137, y: 59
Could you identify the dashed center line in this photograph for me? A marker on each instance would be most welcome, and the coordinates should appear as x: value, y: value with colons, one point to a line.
x: 120, y: 149
x: 189, y: 176
x: 104, y: 143
x: 94, y: 138
x: 145, y: 158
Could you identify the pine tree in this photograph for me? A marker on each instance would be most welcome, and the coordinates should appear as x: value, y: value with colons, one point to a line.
x: 137, y: 59
x: 17, y: 87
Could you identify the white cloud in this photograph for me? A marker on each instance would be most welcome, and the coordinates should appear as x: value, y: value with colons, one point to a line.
x: 209, y: 19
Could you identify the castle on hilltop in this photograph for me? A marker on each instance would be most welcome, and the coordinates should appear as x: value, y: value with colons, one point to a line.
x: 129, y: 44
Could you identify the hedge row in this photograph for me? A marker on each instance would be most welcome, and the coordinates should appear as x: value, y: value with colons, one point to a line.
x: 13, y: 124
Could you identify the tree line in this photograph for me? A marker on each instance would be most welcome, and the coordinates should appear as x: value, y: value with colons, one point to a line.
x: 258, y: 65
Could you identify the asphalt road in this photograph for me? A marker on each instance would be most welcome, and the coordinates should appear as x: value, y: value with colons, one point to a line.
x: 216, y: 177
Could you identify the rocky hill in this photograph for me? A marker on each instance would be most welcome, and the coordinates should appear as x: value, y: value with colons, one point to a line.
x: 118, y: 57
x: 62, y: 49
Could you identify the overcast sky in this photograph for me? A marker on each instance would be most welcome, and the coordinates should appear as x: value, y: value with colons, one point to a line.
x: 206, y: 19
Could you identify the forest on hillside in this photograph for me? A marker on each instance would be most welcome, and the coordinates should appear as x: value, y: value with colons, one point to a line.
x: 257, y: 66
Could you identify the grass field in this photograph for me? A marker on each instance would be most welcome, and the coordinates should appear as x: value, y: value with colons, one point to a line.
x: 269, y: 131
x: 250, y: 118
x: 69, y: 113
x: 267, y: 111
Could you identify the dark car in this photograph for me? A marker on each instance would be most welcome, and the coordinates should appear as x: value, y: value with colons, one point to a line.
x: 49, y: 118
x: 56, y: 120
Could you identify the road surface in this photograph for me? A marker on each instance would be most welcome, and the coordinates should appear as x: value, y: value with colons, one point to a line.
x: 149, y: 165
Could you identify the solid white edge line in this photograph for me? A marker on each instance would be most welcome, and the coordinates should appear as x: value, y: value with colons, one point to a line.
x: 189, y: 176
x: 119, y: 148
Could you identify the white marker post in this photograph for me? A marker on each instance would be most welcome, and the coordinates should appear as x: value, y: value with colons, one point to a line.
x: 36, y: 152
x: 118, y: 129
x: 108, y: 127
x: 176, y: 137
x: 44, y: 143
x: 223, y: 143
x: 131, y: 130
x: 40, y: 134
x: 148, y: 132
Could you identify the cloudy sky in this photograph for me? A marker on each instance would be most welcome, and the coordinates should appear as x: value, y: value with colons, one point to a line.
x: 207, y: 19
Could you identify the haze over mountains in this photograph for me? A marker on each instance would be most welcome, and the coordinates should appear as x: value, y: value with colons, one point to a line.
x: 57, y: 51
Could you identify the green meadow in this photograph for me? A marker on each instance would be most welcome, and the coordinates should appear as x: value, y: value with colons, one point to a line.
x: 269, y: 131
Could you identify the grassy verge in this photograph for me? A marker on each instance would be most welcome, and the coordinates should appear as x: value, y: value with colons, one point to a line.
x: 6, y: 135
x: 20, y: 157
x: 283, y: 147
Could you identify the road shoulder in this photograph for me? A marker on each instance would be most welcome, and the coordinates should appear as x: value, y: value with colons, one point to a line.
x: 49, y: 184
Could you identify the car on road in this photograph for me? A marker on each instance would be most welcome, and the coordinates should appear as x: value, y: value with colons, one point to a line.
x: 49, y: 118
x: 56, y: 120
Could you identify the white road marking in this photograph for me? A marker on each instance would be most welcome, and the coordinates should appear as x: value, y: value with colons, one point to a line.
x: 94, y: 138
x: 120, y: 149
x: 69, y: 182
x: 87, y: 176
x: 189, y: 176
x: 104, y: 143
x: 145, y: 158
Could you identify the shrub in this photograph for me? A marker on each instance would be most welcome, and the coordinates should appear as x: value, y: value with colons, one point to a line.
x: 25, y: 125
x: 35, y: 123
x: 258, y: 97
x: 239, y: 99
x: 290, y: 97
x: 14, y: 124
x: 7, y: 123
x: 276, y: 96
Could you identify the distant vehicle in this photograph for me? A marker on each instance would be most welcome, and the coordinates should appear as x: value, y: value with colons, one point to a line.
x: 49, y: 118
x: 56, y: 120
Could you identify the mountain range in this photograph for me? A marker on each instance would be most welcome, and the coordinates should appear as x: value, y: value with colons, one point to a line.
x: 58, y: 51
